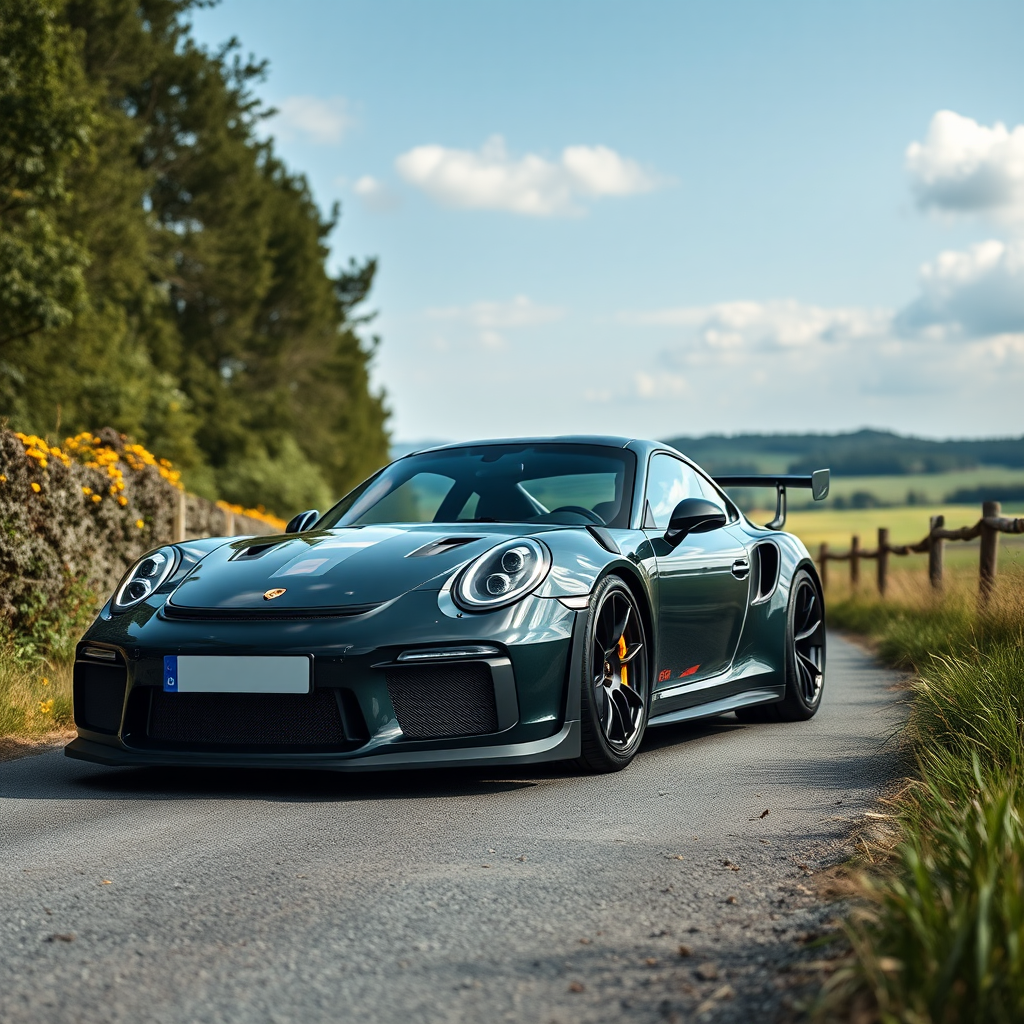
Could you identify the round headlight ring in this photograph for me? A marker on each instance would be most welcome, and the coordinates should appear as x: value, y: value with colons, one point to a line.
x: 145, y: 577
x: 502, y: 576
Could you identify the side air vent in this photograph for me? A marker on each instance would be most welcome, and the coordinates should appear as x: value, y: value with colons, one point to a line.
x: 767, y: 578
x: 439, y: 547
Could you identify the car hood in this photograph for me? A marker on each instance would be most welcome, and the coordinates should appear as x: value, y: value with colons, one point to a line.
x: 333, y: 569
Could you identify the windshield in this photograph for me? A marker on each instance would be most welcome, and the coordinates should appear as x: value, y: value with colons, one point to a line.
x: 570, y: 484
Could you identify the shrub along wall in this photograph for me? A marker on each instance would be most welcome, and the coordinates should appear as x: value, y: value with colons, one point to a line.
x: 73, y: 518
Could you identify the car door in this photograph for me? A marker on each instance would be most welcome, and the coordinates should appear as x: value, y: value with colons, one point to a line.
x: 703, y: 582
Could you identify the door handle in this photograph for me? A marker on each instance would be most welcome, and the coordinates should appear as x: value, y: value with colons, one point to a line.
x: 741, y: 568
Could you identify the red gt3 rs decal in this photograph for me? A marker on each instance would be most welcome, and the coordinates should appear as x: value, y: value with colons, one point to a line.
x: 666, y: 673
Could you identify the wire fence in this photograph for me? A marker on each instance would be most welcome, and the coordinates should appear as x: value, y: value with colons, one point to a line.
x: 988, y: 527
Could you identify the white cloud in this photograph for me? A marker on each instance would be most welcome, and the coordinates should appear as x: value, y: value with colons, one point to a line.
x: 491, y: 179
x: 978, y: 293
x: 966, y: 167
x: 489, y: 319
x: 659, y: 385
x: 782, y: 324
x: 375, y: 194
x: 321, y: 120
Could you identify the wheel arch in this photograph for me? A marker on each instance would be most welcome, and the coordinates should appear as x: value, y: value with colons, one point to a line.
x: 812, y: 569
x: 636, y: 586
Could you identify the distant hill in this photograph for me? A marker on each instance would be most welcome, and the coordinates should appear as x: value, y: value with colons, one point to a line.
x: 861, y: 453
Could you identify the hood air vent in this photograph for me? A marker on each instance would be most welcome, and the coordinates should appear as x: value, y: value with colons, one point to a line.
x: 439, y: 547
x: 254, y: 551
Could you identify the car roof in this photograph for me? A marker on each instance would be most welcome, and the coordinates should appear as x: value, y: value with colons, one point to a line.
x: 602, y: 440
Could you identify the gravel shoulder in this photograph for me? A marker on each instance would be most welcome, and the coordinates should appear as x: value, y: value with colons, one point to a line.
x: 177, y: 896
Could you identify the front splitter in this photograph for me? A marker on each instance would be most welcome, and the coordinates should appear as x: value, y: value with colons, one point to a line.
x: 563, y: 746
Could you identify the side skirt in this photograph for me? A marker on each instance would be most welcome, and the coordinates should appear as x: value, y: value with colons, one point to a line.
x: 765, y: 695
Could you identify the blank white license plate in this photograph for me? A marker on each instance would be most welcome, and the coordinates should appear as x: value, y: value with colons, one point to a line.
x: 235, y: 674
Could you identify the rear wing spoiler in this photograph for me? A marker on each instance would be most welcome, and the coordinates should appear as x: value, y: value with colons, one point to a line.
x: 817, y: 482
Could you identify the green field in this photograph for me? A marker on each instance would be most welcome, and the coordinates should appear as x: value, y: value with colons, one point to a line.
x: 907, y: 525
x: 926, y: 487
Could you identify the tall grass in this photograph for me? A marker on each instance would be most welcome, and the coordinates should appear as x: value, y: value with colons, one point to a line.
x: 939, y: 935
x: 35, y: 698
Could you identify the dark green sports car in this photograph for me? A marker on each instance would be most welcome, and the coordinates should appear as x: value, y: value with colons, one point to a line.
x: 490, y: 603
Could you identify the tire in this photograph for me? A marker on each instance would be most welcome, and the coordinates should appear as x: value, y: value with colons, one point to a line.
x: 805, y: 657
x: 615, y: 679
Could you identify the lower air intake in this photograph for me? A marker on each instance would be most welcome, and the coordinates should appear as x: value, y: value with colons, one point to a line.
x: 271, y: 722
x: 438, y: 701
x: 99, y: 695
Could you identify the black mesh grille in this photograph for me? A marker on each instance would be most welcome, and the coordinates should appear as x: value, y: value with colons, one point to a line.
x: 286, y: 721
x: 434, y: 701
x: 99, y: 696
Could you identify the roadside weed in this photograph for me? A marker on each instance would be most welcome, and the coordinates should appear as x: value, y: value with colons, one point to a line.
x: 938, y: 932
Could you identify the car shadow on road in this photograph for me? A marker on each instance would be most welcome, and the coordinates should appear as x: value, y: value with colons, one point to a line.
x: 75, y: 780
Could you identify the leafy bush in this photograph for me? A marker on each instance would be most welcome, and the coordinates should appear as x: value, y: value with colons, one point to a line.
x: 72, y: 519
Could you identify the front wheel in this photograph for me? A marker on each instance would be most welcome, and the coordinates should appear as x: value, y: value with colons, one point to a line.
x: 615, y: 679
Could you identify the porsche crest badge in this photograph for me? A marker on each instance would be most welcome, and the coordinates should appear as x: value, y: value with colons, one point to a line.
x: 276, y: 592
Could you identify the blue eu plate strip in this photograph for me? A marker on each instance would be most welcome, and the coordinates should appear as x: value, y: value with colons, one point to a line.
x: 170, y: 673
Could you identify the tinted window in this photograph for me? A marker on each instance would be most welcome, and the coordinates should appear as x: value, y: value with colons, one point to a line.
x: 560, y: 483
x: 669, y: 481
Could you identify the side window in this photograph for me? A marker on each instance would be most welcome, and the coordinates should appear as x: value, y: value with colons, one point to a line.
x: 669, y: 481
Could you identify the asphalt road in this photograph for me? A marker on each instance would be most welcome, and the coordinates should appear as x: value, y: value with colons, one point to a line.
x: 170, y: 896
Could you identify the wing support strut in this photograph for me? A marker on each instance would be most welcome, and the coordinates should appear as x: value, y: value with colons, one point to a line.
x: 817, y: 482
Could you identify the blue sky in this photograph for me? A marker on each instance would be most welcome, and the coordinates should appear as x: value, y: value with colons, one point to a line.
x: 663, y: 218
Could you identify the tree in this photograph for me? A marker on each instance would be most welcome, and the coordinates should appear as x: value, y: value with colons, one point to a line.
x: 206, y: 321
x: 43, y: 126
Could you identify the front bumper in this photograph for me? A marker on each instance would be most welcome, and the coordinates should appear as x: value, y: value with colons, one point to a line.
x: 535, y: 680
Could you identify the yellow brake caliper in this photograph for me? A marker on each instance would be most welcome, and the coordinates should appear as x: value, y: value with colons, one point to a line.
x: 622, y: 653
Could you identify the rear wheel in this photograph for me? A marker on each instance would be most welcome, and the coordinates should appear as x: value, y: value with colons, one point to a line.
x: 615, y: 681
x: 805, y: 657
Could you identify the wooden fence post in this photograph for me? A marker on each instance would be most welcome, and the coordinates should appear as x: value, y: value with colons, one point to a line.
x: 180, y: 512
x: 823, y: 564
x: 883, y: 559
x: 229, y: 523
x: 989, y: 552
x: 935, y: 551
x: 854, y: 561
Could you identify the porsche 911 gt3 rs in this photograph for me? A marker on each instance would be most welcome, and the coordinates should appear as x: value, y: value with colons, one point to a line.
x: 487, y: 603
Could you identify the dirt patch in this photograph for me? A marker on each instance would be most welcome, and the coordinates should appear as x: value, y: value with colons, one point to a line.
x: 12, y: 747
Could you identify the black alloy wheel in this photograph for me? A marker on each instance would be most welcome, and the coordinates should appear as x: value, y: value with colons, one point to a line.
x: 615, y: 683
x: 805, y: 668
x: 805, y: 657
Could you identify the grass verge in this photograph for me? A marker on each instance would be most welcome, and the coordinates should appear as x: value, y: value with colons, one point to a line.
x: 938, y: 932
x: 35, y: 702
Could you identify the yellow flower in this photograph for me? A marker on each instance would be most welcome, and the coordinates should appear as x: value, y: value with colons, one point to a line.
x: 45, y: 681
x: 139, y: 523
x: 35, y: 487
x: 122, y: 501
x: 46, y: 706
x: 97, y: 498
x: 87, y: 491
x: 3, y: 479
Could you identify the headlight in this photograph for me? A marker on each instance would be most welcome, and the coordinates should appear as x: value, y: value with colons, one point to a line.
x: 146, y: 576
x: 502, y: 575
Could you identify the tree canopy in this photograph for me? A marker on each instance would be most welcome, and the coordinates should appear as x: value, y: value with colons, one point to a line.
x: 161, y: 270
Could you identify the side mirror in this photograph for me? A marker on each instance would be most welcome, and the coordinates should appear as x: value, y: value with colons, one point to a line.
x: 693, y: 515
x: 303, y: 521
